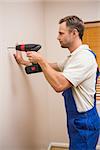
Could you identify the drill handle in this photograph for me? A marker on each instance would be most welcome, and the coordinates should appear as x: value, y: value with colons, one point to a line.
x: 34, y: 68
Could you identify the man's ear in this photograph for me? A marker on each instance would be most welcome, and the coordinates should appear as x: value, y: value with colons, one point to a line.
x: 75, y: 32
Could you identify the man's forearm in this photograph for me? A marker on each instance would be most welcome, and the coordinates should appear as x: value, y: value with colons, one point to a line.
x: 54, y: 66
x: 55, y: 78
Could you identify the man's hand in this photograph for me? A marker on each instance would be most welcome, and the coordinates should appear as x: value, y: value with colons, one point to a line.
x: 34, y: 57
x: 20, y: 60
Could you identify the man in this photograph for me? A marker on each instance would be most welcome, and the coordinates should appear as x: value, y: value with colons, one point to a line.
x: 76, y: 78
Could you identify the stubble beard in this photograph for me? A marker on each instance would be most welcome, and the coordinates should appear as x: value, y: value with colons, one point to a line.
x: 65, y: 46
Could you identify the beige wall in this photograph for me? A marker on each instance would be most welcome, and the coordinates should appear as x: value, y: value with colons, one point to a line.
x: 23, y: 98
x: 32, y: 115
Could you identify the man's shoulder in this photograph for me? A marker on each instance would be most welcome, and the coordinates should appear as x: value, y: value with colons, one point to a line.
x: 86, y: 53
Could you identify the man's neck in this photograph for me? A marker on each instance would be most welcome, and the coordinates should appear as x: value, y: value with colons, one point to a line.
x: 75, y: 45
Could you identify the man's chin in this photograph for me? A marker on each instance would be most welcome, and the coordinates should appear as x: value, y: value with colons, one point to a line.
x: 63, y: 46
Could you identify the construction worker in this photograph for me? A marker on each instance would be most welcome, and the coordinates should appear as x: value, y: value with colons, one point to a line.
x: 76, y: 78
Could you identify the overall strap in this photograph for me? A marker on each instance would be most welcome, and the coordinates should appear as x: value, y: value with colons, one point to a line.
x: 98, y: 73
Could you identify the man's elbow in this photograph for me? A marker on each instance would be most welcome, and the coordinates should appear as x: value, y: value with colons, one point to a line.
x: 59, y: 89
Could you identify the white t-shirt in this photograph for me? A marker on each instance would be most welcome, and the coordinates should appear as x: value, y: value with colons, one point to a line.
x: 80, y: 69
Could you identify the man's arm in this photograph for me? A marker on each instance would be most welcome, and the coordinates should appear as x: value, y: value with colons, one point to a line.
x: 21, y: 61
x: 55, y: 66
x: 51, y: 70
x: 55, y: 78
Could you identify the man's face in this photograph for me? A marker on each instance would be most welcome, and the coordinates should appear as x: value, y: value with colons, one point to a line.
x: 65, y: 36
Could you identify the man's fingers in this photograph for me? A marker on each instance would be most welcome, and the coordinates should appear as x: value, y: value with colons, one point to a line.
x: 29, y: 54
x: 18, y: 57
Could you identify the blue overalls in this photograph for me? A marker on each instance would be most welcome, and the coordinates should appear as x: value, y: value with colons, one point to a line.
x: 84, y: 127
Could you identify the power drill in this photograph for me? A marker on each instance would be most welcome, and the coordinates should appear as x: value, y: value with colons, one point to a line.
x: 34, y: 68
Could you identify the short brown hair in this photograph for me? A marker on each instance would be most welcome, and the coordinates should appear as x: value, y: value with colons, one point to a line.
x: 73, y: 22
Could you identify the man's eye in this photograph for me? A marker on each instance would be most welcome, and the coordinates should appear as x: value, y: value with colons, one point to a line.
x: 60, y: 33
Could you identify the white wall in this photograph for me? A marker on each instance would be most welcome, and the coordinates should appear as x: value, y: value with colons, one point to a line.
x: 31, y: 114
x: 23, y: 98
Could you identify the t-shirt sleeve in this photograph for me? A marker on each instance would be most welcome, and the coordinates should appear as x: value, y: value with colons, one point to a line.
x: 79, y: 69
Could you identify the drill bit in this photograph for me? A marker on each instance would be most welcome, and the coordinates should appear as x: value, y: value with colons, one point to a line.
x: 10, y: 47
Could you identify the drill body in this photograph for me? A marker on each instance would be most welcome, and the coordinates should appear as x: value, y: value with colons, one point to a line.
x: 34, y: 68
x: 28, y: 47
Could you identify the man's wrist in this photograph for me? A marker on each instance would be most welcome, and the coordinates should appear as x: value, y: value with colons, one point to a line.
x: 43, y: 63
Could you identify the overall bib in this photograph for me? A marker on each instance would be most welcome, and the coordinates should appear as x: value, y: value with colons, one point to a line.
x: 84, y: 127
